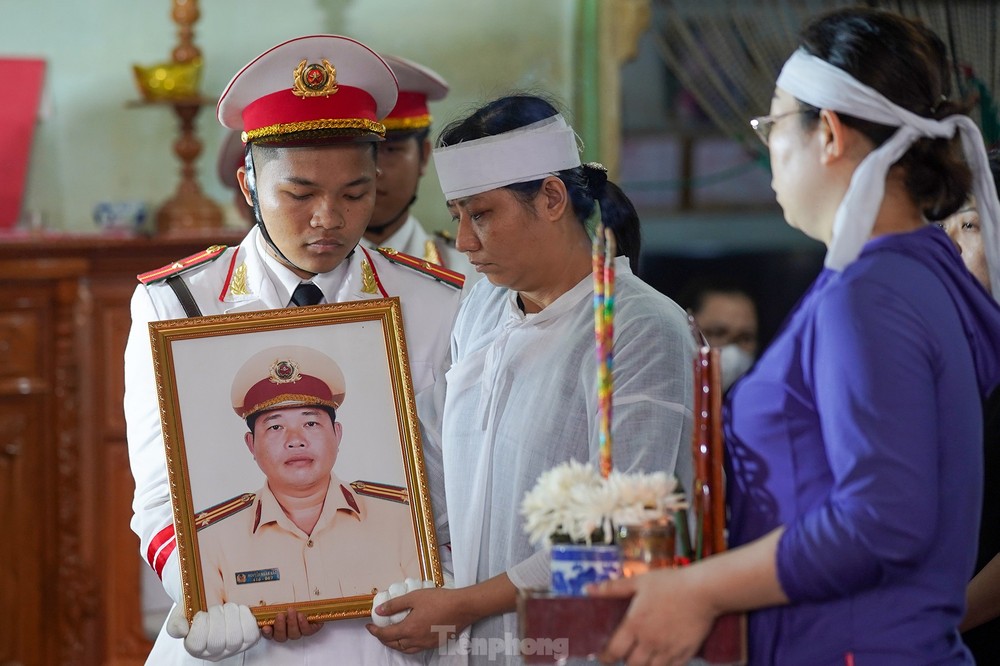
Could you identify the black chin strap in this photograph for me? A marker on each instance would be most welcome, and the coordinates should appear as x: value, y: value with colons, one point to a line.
x: 379, y: 229
x: 251, y: 177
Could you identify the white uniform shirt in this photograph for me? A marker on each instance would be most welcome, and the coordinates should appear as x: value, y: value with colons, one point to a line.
x: 240, y: 280
x: 411, y: 239
x: 522, y: 397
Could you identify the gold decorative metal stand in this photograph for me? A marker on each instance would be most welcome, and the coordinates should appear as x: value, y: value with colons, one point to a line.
x: 189, y: 210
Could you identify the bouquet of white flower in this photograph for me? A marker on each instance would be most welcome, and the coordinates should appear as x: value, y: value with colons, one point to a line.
x: 573, y: 503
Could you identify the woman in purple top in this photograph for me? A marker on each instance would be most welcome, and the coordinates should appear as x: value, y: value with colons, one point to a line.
x: 855, y: 444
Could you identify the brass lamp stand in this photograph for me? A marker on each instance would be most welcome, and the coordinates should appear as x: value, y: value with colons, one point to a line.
x: 189, y: 211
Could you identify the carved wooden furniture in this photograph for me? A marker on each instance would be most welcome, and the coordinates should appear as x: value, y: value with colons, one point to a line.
x: 69, y: 564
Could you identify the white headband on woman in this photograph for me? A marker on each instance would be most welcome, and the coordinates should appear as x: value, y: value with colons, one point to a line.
x: 817, y: 82
x: 519, y: 156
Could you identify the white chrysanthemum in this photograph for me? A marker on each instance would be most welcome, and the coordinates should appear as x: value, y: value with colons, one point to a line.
x: 550, y: 507
x: 591, y: 510
x: 572, y: 500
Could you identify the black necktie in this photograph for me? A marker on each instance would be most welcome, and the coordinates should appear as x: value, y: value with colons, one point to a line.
x: 306, y: 294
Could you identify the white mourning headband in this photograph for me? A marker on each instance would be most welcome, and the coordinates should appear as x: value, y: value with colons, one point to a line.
x: 817, y: 82
x: 528, y: 153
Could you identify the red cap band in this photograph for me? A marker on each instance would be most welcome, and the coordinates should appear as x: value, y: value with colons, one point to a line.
x: 307, y: 390
x: 409, y: 105
x: 283, y: 107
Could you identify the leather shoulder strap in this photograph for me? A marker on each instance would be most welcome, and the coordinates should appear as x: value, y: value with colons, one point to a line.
x: 191, y: 309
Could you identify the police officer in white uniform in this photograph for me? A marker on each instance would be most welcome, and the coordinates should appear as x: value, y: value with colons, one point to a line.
x: 309, y: 111
x: 403, y: 158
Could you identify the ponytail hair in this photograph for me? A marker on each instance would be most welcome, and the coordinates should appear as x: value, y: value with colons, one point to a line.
x: 587, y: 185
x: 617, y: 212
x: 907, y: 62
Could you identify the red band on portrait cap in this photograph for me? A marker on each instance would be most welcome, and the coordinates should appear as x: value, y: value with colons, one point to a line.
x: 287, y: 376
x: 306, y: 390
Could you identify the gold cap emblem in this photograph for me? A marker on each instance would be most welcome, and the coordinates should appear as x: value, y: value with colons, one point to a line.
x: 284, y: 371
x: 315, y: 80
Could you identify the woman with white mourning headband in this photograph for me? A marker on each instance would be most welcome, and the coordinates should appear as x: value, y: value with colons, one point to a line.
x: 521, y: 394
x: 855, y: 444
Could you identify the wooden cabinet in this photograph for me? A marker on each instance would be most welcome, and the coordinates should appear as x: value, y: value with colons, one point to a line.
x: 69, y: 564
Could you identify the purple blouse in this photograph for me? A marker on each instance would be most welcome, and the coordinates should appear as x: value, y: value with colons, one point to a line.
x: 860, y: 431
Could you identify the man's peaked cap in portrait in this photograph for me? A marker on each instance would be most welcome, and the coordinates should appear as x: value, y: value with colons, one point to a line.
x: 287, y: 376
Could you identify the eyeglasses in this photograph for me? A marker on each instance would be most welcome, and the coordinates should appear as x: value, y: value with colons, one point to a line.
x: 763, y: 125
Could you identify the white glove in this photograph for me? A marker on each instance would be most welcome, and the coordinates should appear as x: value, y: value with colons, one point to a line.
x: 397, y: 590
x: 217, y: 633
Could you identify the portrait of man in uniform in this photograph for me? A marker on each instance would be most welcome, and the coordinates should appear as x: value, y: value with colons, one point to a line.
x: 316, y: 513
x: 306, y: 534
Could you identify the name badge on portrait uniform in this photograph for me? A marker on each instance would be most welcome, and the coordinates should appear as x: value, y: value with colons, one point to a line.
x: 257, y: 576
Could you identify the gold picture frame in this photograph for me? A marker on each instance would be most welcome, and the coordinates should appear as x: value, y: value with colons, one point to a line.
x: 236, y: 539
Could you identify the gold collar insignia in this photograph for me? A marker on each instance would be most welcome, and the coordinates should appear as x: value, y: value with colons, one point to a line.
x: 238, y: 285
x: 368, y: 285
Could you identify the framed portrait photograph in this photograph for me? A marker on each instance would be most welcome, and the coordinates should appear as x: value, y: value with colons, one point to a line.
x: 294, y: 457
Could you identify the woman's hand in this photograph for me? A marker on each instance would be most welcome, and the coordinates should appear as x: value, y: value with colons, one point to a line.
x: 666, y: 622
x: 672, y: 610
x: 435, y: 616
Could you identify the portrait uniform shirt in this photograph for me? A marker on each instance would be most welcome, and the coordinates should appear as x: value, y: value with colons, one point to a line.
x: 522, y: 398
x: 240, y: 279
x: 258, y: 556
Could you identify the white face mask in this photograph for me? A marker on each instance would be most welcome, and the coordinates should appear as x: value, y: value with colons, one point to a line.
x: 735, y: 362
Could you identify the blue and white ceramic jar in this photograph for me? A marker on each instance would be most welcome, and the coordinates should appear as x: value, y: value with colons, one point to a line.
x: 574, y: 566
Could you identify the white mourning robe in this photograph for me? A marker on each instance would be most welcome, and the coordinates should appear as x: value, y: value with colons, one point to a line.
x: 522, y: 397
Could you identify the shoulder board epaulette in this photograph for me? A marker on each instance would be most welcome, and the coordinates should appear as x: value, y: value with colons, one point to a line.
x: 381, y: 491
x: 439, y: 273
x: 181, y: 265
x: 446, y: 236
x: 222, y: 510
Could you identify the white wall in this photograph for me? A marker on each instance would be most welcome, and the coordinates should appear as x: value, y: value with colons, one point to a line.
x: 89, y: 147
x: 484, y: 48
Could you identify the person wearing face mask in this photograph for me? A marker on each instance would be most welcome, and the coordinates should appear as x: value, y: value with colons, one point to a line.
x: 727, y: 316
